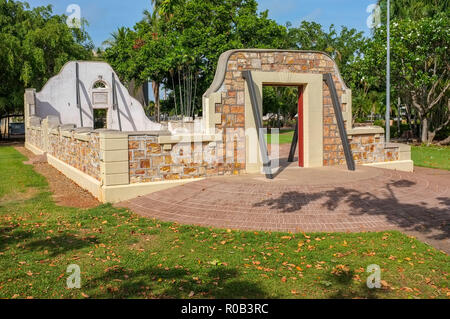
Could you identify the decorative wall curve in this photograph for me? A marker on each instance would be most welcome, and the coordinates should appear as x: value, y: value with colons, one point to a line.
x: 58, y: 98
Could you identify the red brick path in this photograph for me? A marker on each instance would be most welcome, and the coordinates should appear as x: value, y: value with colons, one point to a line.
x: 375, y: 200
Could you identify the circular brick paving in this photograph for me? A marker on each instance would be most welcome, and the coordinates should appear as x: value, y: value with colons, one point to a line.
x: 310, y: 200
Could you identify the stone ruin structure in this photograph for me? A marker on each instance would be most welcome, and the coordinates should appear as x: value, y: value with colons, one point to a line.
x: 131, y: 155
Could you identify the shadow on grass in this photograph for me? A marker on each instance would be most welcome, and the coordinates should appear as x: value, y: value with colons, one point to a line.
x: 342, y: 285
x: 155, y: 282
x: 10, y: 235
x: 61, y: 244
x: 433, y: 222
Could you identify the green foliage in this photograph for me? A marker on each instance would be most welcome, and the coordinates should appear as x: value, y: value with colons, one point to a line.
x: 34, y: 45
x: 419, y: 68
x: 414, y: 9
x: 343, y: 46
x: 182, y: 41
x: 120, y: 53
x: 281, y: 99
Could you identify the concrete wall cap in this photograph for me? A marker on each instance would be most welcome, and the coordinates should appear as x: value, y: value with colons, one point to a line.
x: 401, y: 147
x: 83, y: 129
x: 189, y: 138
x: 35, y: 120
x: 114, y: 134
x: 66, y: 133
x: 67, y: 127
x: 82, y: 136
x: 153, y: 133
x: 365, y: 130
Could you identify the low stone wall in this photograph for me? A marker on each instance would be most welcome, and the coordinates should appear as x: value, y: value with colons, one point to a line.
x: 371, y: 149
x: 366, y: 149
x: 81, y: 151
x: 150, y: 161
x: 115, y: 165
x: 34, y: 136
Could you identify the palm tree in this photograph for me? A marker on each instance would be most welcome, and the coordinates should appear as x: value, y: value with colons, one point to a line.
x: 159, y: 8
x: 116, y: 37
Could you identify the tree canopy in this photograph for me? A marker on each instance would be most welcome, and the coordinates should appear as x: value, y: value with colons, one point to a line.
x: 420, y: 68
x: 34, y: 45
x: 178, y: 44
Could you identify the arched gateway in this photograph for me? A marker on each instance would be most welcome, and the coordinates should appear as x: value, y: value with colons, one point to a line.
x: 227, y: 105
x: 130, y: 155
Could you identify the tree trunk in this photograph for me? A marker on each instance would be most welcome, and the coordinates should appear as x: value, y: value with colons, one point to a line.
x: 408, y: 117
x: 431, y: 136
x: 398, y: 118
x: 424, y: 122
x: 155, y: 87
x: 445, y: 142
x: 415, y: 126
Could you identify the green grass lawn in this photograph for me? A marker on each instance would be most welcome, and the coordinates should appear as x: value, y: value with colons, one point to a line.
x: 431, y: 156
x: 285, y: 137
x: 122, y: 255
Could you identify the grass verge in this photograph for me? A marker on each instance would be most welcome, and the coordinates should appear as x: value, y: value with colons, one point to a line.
x: 431, y: 156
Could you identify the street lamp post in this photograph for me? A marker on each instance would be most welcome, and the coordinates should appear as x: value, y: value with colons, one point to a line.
x: 388, y: 75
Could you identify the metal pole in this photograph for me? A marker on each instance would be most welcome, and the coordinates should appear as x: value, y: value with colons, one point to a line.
x: 328, y: 78
x: 78, y: 94
x: 294, y: 143
x: 388, y: 74
x: 267, y: 164
x: 115, y: 103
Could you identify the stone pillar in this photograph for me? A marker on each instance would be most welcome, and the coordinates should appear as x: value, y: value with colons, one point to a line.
x: 114, y: 166
x: 45, y: 132
x: 29, y: 105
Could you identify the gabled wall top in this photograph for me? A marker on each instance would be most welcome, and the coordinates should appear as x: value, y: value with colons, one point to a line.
x: 58, y: 98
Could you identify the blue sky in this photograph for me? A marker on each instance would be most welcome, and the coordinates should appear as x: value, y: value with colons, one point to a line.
x: 105, y: 16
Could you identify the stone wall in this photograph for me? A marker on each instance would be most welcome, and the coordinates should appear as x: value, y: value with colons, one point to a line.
x: 150, y: 161
x: 371, y: 149
x: 232, y: 106
x: 83, y: 154
x: 34, y: 136
x: 81, y: 151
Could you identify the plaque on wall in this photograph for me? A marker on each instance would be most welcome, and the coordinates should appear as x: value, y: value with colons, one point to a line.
x: 100, y: 98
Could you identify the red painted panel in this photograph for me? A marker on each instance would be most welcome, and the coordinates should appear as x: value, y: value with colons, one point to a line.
x: 301, y: 162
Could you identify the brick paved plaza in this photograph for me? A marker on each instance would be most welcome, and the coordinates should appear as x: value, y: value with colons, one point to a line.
x: 313, y: 200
